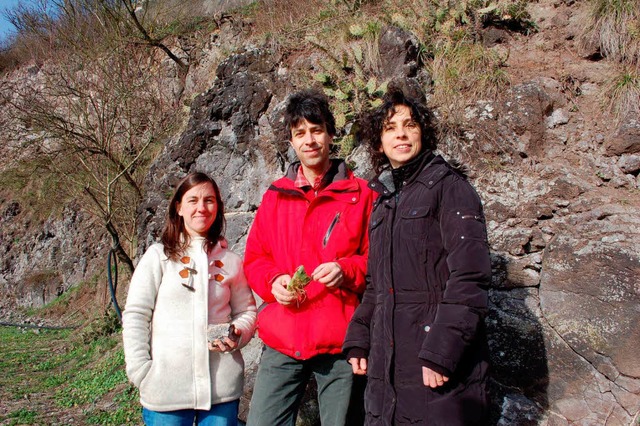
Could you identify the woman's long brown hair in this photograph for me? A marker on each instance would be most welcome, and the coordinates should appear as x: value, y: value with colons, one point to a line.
x: 175, y: 237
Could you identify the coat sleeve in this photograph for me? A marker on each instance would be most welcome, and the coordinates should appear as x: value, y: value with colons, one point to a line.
x: 358, y: 331
x: 464, y: 302
x: 243, y: 306
x: 136, y: 319
x: 354, y: 267
x: 259, y: 264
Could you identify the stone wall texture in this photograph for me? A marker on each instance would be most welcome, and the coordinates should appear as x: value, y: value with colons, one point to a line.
x: 560, y: 195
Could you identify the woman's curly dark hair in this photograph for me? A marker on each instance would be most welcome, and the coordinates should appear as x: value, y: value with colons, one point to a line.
x: 371, y: 123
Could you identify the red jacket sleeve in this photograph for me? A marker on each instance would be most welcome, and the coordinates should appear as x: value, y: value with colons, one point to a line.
x: 259, y: 265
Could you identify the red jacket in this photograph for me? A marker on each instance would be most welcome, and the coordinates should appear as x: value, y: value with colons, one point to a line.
x: 289, y: 231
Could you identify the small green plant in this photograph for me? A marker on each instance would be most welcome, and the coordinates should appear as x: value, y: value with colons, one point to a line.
x: 90, y: 385
x: 104, y: 325
x: 22, y: 416
x: 622, y: 94
x: 73, y: 374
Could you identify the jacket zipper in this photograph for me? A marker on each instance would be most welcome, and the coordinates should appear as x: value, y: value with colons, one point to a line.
x: 328, y: 234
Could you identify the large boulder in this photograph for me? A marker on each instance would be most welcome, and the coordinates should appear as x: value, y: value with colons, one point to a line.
x: 398, y: 53
x: 626, y: 138
x: 590, y: 300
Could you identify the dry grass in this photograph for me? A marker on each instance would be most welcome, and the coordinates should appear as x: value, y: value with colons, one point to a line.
x: 345, y: 36
x: 622, y: 93
x: 464, y: 72
x: 46, y: 30
x: 615, y: 29
x: 284, y: 17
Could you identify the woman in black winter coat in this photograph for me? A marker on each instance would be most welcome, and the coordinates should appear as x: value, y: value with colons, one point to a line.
x: 419, y: 333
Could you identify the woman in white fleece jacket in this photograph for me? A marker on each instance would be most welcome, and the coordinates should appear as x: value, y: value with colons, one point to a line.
x: 178, y: 288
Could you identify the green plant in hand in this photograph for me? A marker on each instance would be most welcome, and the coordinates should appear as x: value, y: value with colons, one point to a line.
x: 298, y: 282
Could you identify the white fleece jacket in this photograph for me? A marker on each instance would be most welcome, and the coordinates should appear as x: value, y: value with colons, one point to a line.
x: 165, y: 324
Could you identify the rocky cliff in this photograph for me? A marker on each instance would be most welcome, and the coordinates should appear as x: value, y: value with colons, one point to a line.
x: 558, y: 177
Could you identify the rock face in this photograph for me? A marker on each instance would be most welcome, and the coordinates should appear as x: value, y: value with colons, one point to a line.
x: 559, y: 185
x: 400, y: 53
x: 231, y: 137
x: 41, y: 261
x: 563, y: 325
x: 626, y: 139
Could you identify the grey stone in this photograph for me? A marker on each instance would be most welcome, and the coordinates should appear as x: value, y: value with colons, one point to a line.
x: 629, y: 163
x: 524, y: 112
x: 625, y: 139
x: 398, y: 53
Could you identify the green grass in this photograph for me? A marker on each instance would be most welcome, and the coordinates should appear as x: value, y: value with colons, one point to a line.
x: 57, y: 371
x: 22, y: 417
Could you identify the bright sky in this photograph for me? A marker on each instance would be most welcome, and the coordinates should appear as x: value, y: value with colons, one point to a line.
x: 6, y: 27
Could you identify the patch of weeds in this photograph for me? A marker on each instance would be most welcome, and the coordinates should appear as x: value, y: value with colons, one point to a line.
x: 614, y: 28
x: 513, y: 16
x: 463, y: 71
x: 126, y: 409
x: 62, y: 301
x: 622, y: 93
x: 103, y: 326
x: 35, y: 189
x: 21, y: 353
x: 249, y: 10
x: 92, y: 384
x: 58, y: 363
x: 22, y: 416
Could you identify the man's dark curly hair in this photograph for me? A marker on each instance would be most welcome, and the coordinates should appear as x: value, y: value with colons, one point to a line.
x: 371, y: 123
x: 310, y: 105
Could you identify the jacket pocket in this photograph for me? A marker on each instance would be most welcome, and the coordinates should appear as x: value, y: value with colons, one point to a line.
x: 142, y: 373
x: 375, y: 221
x: 142, y: 384
x: 414, y: 222
x: 377, y: 247
x: 470, y: 224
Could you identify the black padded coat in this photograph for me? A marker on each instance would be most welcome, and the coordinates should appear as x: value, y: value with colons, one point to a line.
x: 425, y: 301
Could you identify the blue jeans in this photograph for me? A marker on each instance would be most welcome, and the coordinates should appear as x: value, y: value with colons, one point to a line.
x: 281, y: 382
x: 224, y: 414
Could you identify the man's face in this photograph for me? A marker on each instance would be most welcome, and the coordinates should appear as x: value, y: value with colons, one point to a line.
x: 311, y: 142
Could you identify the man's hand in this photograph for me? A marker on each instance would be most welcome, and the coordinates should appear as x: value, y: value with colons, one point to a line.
x: 433, y: 379
x: 358, y: 365
x: 280, y: 292
x: 330, y: 274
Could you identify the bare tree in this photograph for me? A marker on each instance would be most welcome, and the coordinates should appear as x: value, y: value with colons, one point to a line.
x: 93, y: 120
x: 131, y: 6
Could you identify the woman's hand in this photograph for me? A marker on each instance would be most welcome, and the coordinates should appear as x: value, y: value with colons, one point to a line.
x: 433, y: 379
x: 227, y: 344
x: 358, y: 365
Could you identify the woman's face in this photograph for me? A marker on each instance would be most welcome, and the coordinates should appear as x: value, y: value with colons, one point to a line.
x: 198, y: 208
x: 401, y: 136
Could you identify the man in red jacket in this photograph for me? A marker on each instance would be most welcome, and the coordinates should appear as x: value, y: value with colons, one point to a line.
x: 315, y: 216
